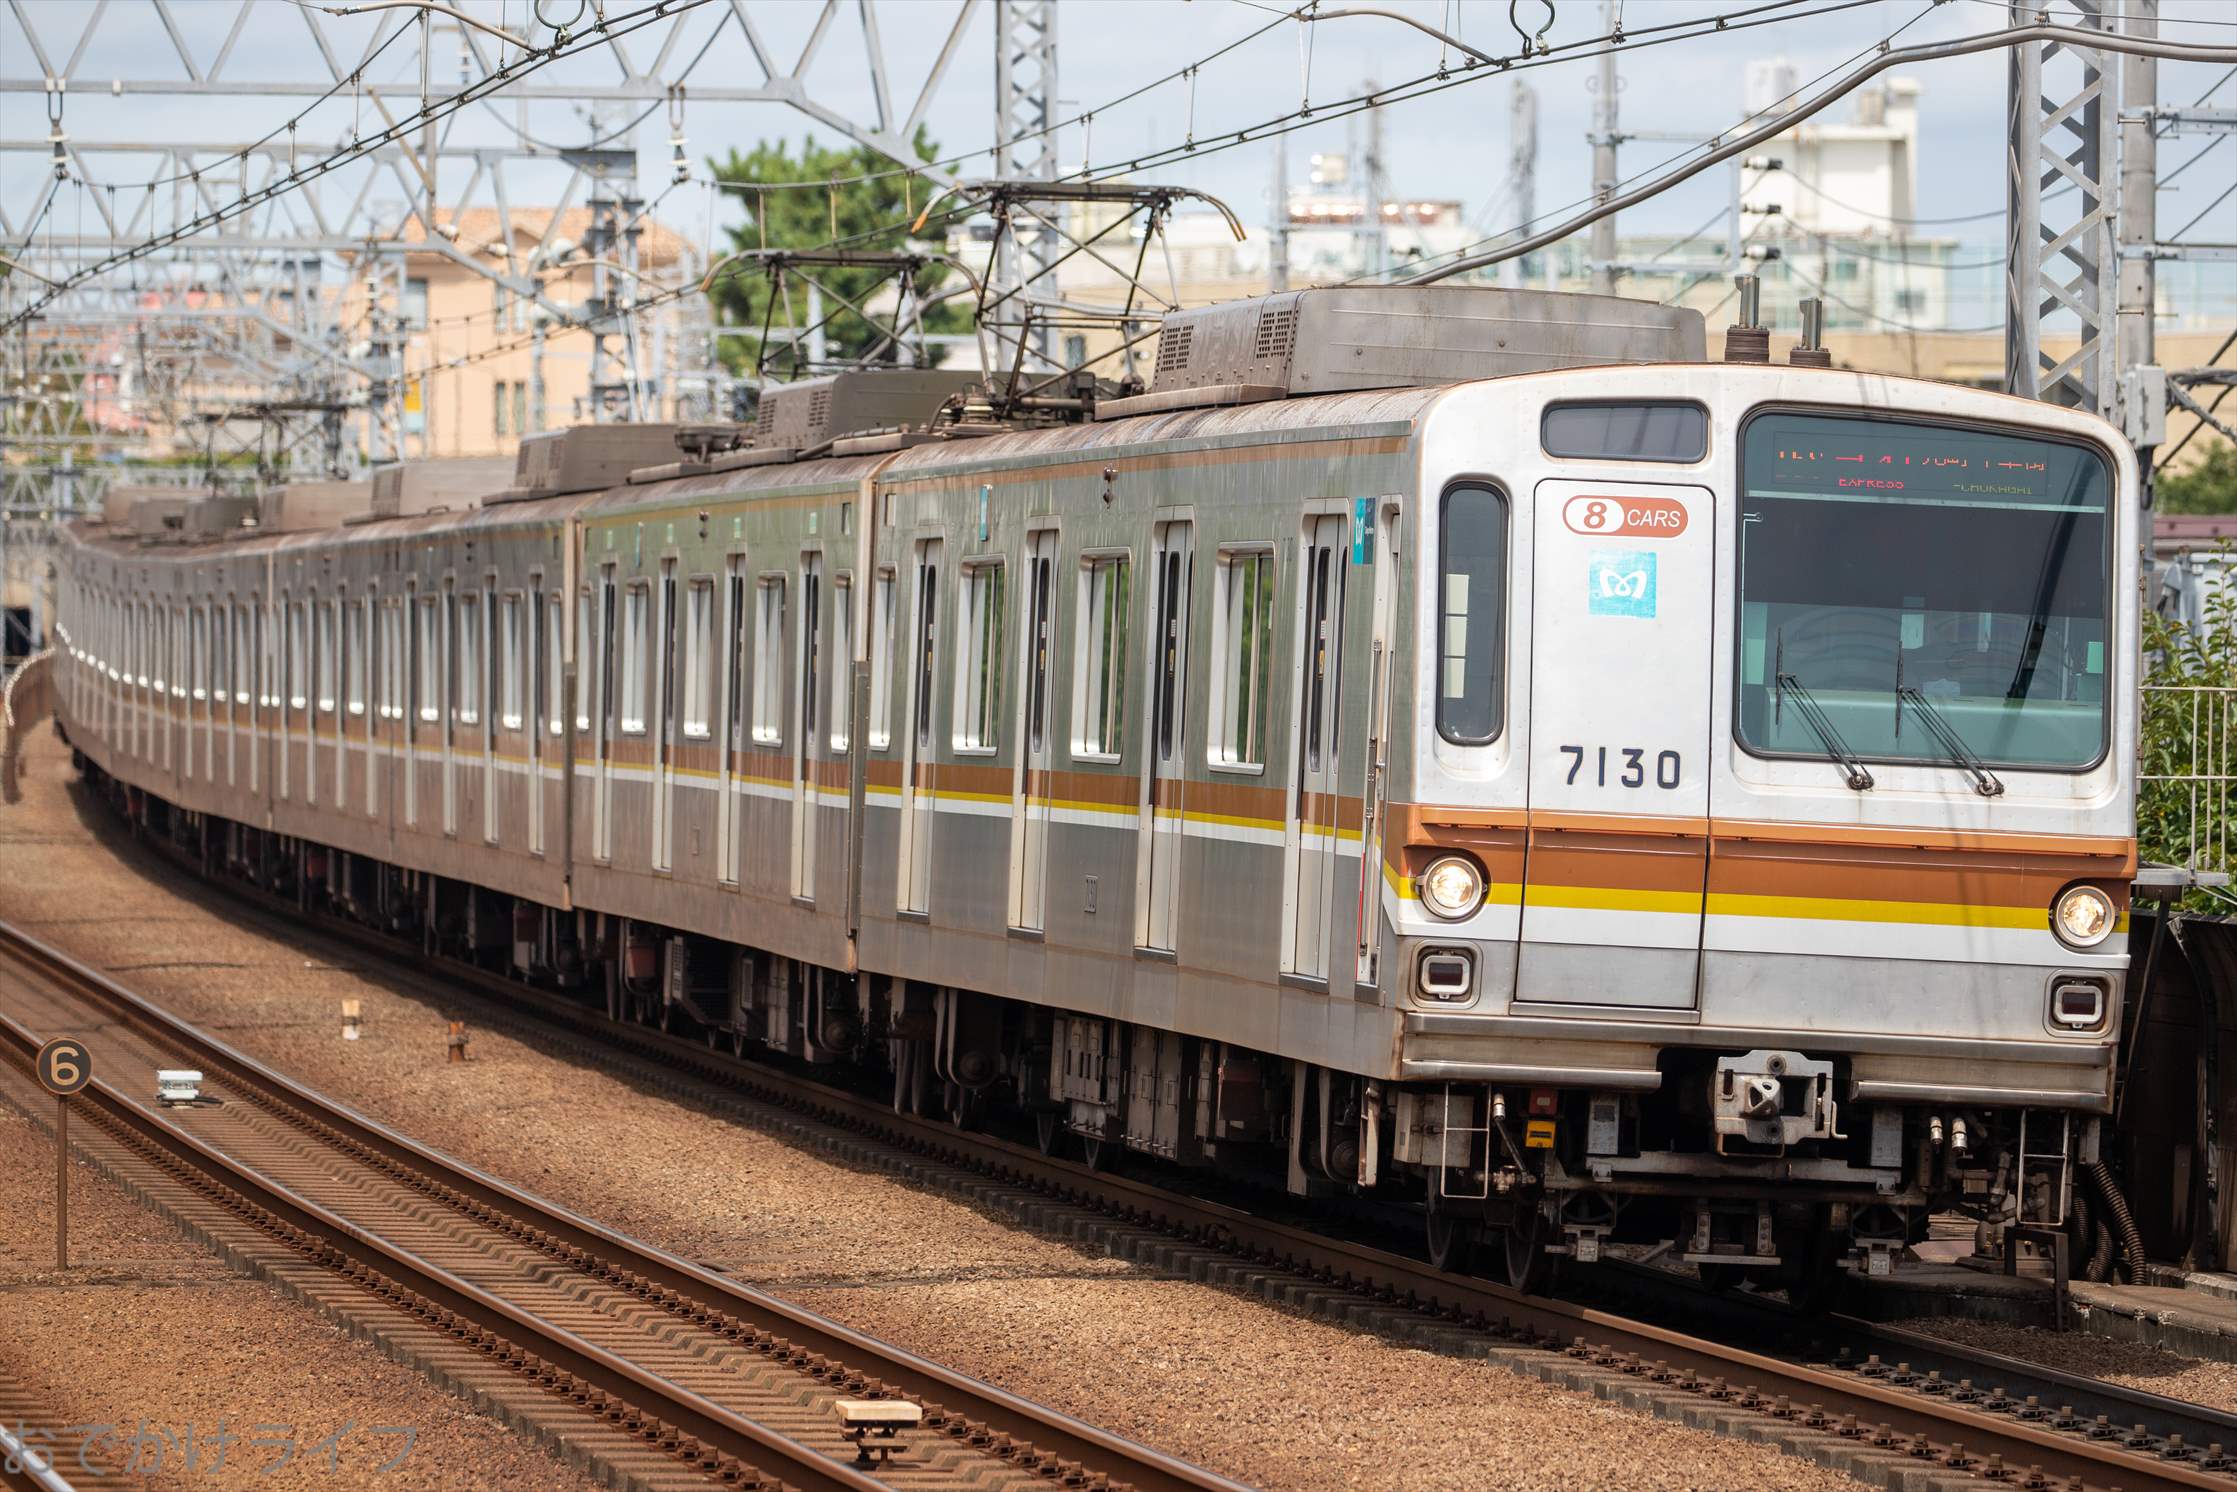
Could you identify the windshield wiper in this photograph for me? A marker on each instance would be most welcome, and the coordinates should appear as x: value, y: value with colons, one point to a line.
x: 1985, y: 782
x: 1813, y: 715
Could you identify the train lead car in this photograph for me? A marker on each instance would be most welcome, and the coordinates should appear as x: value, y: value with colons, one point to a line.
x: 1455, y: 744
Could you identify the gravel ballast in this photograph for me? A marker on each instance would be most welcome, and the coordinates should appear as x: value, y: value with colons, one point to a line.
x: 1245, y: 1388
x: 151, y: 1336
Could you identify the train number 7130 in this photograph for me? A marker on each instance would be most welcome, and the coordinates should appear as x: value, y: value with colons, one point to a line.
x: 1630, y: 766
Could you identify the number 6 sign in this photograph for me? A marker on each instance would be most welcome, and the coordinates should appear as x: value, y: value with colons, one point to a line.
x: 65, y: 1066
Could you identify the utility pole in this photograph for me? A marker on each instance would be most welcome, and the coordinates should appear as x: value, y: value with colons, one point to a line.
x: 1522, y: 168
x: 1277, y: 219
x: 2067, y: 265
x: 2143, y: 385
x: 1604, y: 160
x: 1377, y: 189
x: 1025, y: 147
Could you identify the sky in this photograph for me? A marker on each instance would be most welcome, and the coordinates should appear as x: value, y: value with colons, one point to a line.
x: 1450, y: 144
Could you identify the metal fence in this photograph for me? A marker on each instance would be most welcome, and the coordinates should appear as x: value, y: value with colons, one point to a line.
x: 2187, y: 775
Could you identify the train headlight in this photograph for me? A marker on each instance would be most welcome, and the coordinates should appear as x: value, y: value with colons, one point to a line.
x: 2082, y: 916
x: 1452, y: 887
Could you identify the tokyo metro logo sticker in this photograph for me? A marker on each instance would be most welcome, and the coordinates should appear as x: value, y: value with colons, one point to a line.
x: 1620, y: 583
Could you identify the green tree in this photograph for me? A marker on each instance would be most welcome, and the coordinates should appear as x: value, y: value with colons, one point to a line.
x: 2209, y: 486
x: 833, y: 205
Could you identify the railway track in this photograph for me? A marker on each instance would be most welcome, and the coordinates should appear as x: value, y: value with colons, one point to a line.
x: 714, y: 1377
x: 1992, y: 1429
x: 1928, y: 1364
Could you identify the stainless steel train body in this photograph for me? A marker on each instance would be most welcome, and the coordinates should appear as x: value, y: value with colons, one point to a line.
x: 1603, y: 800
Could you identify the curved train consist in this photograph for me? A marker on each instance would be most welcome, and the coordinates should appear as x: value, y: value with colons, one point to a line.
x: 1454, y: 745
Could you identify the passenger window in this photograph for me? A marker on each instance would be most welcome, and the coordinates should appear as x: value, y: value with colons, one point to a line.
x: 1471, y: 615
x: 244, y: 665
x: 555, y: 665
x: 769, y: 660
x: 1099, y: 693
x: 329, y: 656
x: 353, y: 659
x: 842, y: 660
x: 198, y: 651
x: 978, y: 660
x: 671, y: 624
x: 928, y: 630
x: 508, y: 671
x: 811, y: 644
x: 425, y: 642
x: 1242, y: 658
x: 881, y: 661
x: 298, y: 657
x: 609, y: 622
x: 467, y: 649
x: 636, y: 601
x: 1638, y: 430
x: 698, y: 658
x: 734, y: 655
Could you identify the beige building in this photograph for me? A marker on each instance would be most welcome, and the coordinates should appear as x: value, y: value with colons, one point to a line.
x: 482, y: 366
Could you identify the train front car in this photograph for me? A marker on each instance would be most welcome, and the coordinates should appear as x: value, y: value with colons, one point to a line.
x: 1764, y: 875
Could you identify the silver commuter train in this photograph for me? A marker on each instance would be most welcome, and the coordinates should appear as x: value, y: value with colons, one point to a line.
x: 1454, y: 744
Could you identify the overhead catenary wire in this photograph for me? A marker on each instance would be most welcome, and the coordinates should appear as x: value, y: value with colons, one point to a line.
x: 1816, y: 103
x: 1926, y: 9
x: 1761, y: 14
x: 2219, y: 353
x: 608, y: 30
x: 1887, y: 321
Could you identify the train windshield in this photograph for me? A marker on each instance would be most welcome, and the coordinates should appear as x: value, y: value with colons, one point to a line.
x: 1922, y: 593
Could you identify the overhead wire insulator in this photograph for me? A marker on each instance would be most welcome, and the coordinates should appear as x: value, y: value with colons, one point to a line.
x: 55, y: 134
x: 679, y: 164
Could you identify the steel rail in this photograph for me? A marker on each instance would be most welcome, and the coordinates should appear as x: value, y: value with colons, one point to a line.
x: 1029, y: 1427
x: 367, y: 1256
x: 1890, y: 1416
x: 1931, y: 1364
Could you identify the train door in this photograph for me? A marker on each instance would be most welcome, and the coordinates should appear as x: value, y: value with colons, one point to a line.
x: 664, y: 726
x: 1312, y: 819
x: 1376, y: 768
x: 1163, y: 827
x: 1030, y: 797
x: 544, y: 689
x: 290, y: 690
x: 602, y: 810
x: 919, y: 749
x: 341, y: 660
x: 1620, y: 732
x: 807, y: 680
x: 453, y: 695
x: 419, y: 702
x: 380, y: 663
x: 735, y: 617
x: 500, y: 664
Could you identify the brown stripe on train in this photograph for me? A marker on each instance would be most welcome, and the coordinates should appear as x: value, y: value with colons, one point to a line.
x: 1624, y: 852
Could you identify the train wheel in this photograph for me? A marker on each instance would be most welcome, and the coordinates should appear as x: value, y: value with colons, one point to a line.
x: 1811, y: 1275
x: 1530, y: 1268
x: 1722, y: 1279
x: 1048, y: 1131
x: 1452, y: 1240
